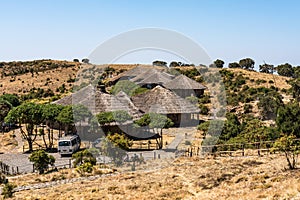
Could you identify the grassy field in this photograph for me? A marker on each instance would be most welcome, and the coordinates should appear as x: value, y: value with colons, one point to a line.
x: 187, y: 178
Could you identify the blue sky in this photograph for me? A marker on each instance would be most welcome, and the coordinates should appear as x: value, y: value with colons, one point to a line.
x: 227, y: 29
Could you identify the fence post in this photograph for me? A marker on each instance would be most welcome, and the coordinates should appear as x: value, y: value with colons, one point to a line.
x: 258, y: 149
x: 70, y: 164
x: 243, y: 149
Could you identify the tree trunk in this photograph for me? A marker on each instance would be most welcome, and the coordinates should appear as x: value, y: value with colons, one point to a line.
x: 30, y: 144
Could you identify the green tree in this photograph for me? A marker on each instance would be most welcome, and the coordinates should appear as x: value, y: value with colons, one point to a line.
x: 234, y: 65
x: 288, y: 118
x: 129, y: 87
x: 159, y: 63
x: 291, y: 148
x: 50, y: 113
x: 84, y: 161
x: 174, y: 64
x: 12, y: 99
x: 285, y: 70
x: 266, y: 68
x: 269, y: 105
x: 115, y: 146
x: 296, y: 72
x: 219, y: 63
x: 85, y: 60
x: 5, y: 107
x: 66, y: 118
x: 119, y: 116
x: 231, y: 127
x: 41, y: 160
x: 29, y: 114
x: 295, y: 83
x: 156, y: 122
x: 247, y: 63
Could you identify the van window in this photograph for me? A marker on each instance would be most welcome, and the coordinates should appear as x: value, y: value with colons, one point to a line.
x: 73, y: 142
x: 64, y: 143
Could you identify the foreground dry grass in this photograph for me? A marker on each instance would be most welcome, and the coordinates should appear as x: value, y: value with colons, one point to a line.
x: 188, y: 178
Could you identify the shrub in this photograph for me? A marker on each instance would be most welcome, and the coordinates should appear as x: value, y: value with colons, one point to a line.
x: 3, y: 179
x: 290, y: 147
x: 204, y: 110
x: 82, y: 157
x: 8, y: 190
x: 248, y: 108
x: 192, y: 99
x: 41, y: 160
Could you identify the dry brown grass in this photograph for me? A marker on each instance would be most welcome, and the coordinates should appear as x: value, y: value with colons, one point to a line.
x: 188, y: 178
x: 279, y: 81
x: 8, y: 142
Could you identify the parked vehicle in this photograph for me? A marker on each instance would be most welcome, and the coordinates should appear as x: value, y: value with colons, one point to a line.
x: 68, y: 145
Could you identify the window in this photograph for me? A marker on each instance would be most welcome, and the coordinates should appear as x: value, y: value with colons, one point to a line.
x: 64, y: 143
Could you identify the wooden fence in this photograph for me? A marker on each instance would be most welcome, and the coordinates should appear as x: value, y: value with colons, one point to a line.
x: 8, y: 170
x: 259, y: 148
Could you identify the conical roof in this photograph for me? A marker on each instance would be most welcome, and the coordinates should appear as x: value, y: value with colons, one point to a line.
x: 163, y: 101
x: 131, y: 108
x: 184, y: 83
x: 97, y: 101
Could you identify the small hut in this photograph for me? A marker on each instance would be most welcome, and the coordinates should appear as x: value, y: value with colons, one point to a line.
x: 129, y: 74
x: 185, y: 87
x: 163, y: 101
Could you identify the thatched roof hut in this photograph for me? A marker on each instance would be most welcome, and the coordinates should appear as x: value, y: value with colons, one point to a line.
x: 97, y: 101
x: 184, y: 86
x: 158, y: 78
x: 144, y: 74
x: 163, y: 101
x: 77, y: 97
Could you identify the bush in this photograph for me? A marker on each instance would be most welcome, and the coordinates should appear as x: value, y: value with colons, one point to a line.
x: 3, y: 179
x: 248, y: 108
x: 82, y: 157
x: 7, y: 190
x: 41, y: 160
x: 290, y: 147
x: 192, y: 99
x: 205, y: 99
x: 204, y: 110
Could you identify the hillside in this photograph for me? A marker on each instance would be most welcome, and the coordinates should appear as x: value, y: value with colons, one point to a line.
x: 186, y: 178
x: 20, y: 77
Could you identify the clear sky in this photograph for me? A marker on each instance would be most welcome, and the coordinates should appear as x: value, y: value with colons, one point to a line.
x: 265, y: 30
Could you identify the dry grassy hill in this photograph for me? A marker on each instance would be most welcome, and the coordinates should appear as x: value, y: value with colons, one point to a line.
x: 20, y: 77
x: 187, y: 178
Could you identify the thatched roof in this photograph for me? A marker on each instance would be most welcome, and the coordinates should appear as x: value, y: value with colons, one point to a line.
x: 184, y: 83
x: 97, y: 101
x: 126, y: 101
x: 131, y: 73
x: 77, y: 97
x: 157, y: 78
x: 145, y: 74
x: 163, y: 101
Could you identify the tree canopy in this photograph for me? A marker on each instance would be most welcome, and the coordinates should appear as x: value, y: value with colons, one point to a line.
x: 247, y: 63
x: 288, y: 119
x: 285, y: 70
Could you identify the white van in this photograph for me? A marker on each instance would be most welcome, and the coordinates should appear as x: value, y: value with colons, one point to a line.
x: 68, y: 145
